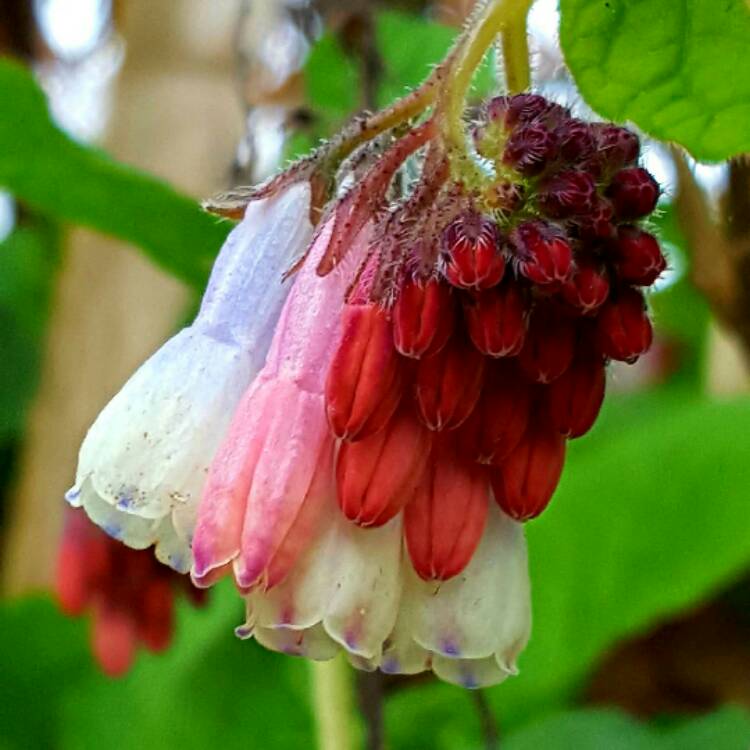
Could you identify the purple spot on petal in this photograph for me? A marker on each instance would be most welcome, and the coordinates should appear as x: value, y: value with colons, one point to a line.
x: 469, y: 681
x: 72, y: 495
x: 114, y: 531
x: 390, y: 666
x: 450, y: 648
x: 351, y: 639
x: 243, y: 632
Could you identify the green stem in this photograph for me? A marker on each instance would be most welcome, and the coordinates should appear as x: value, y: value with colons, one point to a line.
x: 333, y: 704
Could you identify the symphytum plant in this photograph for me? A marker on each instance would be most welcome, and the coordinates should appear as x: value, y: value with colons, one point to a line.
x: 400, y: 337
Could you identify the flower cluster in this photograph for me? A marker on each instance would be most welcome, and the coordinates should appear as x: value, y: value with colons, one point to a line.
x: 130, y: 595
x: 365, y: 480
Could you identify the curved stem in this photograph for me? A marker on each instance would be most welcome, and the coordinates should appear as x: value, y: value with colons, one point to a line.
x: 515, y: 44
x: 506, y: 17
x: 333, y: 704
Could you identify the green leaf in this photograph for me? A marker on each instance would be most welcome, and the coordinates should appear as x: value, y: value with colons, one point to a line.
x: 208, y: 687
x: 28, y: 261
x: 678, y: 70
x: 59, y: 177
x: 409, y: 45
x: 728, y: 729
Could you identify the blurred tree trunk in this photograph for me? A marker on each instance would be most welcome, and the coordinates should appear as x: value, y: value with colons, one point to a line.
x: 176, y: 115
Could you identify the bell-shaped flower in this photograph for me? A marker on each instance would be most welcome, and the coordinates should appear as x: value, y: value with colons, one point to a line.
x: 143, y: 463
x: 272, y: 469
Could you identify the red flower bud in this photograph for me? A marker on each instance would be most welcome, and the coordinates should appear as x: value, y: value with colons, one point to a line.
x: 545, y: 257
x: 377, y: 476
x: 448, y: 384
x: 623, y: 329
x: 637, y: 256
x: 363, y: 387
x: 156, y: 619
x: 598, y: 223
x: 523, y: 485
x: 472, y: 252
x: 523, y: 109
x: 568, y: 193
x: 587, y: 290
x: 633, y: 193
x: 549, y: 346
x: 575, y: 398
x: 499, y: 420
x: 444, y: 522
x: 576, y: 141
x: 616, y: 147
x: 497, y: 320
x: 530, y: 149
x: 423, y: 317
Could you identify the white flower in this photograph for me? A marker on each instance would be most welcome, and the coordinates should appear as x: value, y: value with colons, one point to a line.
x: 143, y: 463
x: 356, y: 591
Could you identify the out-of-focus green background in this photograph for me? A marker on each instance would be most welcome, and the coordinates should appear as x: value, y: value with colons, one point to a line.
x: 117, y: 119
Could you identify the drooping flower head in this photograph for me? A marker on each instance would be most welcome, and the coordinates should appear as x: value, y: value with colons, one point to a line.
x: 365, y: 479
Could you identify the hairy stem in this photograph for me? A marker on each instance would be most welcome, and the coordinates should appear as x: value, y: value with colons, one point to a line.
x: 333, y: 704
x: 515, y: 45
x: 501, y: 16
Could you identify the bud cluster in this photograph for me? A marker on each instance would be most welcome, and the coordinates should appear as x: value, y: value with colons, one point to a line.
x: 131, y: 595
x: 487, y: 349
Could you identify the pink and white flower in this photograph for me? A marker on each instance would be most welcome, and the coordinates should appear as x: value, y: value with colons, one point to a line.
x: 143, y: 463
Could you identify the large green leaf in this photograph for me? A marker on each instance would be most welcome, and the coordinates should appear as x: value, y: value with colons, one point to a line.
x: 59, y: 177
x: 207, y: 688
x: 728, y: 729
x: 678, y: 69
x: 28, y: 260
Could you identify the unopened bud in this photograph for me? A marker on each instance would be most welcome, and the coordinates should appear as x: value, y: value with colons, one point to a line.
x: 587, y: 290
x: 633, y: 193
x: 525, y: 482
x: 448, y: 384
x: 624, y: 330
x: 423, y: 317
x: 637, y: 256
x: 566, y: 194
x: 377, y: 476
x: 363, y: 387
x: 444, y: 522
x: 545, y: 256
x: 497, y: 320
x: 473, y: 257
x: 550, y: 342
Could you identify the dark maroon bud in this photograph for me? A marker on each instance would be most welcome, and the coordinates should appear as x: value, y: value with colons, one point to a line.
x: 544, y: 255
x: 598, y: 223
x: 624, y: 330
x: 523, y: 109
x: 633, y: 193
x: 499, y: 420
x: 575, y: 398
x: 587, y: 290
x: 530, y: 149
x: 637, y: 256
x: 616, y: 147
x: 576, y: 141
x: 473, y: 257
x: 566, y: 194
x: 549, y: 346
x: 496, y: 108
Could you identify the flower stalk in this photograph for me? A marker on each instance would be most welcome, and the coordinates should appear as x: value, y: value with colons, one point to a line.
x: 333, y: 704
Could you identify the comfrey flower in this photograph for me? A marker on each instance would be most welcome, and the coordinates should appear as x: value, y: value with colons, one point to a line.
x: 432, y: 359
x: 128, y: 593
x: 143, y: 463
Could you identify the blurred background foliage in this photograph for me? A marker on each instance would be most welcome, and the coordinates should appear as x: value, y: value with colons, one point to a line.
x: 641, y: 560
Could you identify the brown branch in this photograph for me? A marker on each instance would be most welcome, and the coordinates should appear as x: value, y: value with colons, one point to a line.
x: 719, y: 249
x: 487, y: 721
